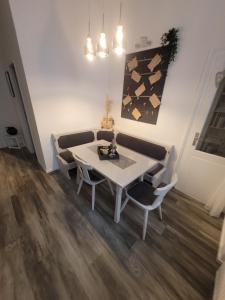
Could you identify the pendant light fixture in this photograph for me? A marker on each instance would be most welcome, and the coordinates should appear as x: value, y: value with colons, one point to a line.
x: 102, y: 48
x: 89, y: 48
x: 118, y: 42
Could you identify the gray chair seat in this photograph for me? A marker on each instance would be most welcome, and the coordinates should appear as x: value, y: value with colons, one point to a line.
x: 95, y: 176
x: 143, y: 193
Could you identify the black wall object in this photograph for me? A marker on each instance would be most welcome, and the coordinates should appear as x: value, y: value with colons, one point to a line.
x: 9, y: 82
x: 144, y: 79
x: 11, y: 130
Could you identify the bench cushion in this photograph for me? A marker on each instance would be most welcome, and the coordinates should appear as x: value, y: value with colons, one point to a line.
x: 146, y: 148
x: 105, y: 135
x: 75, y: 139
x: 156, y: 170
x: 67, y: 156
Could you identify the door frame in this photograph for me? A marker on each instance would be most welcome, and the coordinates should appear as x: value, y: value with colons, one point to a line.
x: 21, y: 108
x: 203, y: 88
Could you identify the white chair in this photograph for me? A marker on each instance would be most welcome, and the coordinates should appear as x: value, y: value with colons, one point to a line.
x: 148, y: 198
x: 87, y: 174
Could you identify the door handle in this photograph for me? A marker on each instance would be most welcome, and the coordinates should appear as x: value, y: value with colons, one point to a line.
x: 196, y: 137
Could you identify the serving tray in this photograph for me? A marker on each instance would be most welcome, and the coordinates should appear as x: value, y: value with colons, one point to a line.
x: 104, y: 156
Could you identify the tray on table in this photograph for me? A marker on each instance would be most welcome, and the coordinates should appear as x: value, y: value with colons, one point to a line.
x: 104, y: 156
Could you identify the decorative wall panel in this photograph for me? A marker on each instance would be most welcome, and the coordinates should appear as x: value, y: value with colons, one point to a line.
x: 144, y: 79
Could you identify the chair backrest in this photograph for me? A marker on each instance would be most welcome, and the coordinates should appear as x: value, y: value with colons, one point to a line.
x: 162, y: 191
x: 83, y: 168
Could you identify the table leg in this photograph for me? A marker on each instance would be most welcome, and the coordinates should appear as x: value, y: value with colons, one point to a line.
x: 118, y: 204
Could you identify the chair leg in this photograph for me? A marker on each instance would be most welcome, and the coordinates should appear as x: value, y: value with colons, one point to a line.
x: 93, y: 197
x: 160, y: 212
x: 110, y: 186
x: 78, y: 176
x: 141, y: 178
x: 80, y: 186
x: 124, y: 204
x: 145, y: 224
x: 65, y: 172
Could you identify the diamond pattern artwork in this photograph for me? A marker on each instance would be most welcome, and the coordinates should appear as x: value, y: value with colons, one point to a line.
x: 136, y: 114
x: 154, y: 100
x: 135, y: 76
x: 144, y: 80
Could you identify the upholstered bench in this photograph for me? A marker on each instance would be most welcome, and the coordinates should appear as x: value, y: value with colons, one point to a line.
x: 155, y: 151
x: 66, y: 140
x: 158, y: 152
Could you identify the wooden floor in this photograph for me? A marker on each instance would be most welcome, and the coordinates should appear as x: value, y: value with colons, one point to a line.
x: 52, y: 246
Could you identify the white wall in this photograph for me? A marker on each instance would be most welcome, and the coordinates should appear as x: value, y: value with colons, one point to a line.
x: 10, y: 53
x: 67, y: 92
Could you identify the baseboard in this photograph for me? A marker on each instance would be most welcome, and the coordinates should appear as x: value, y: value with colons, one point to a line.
x: 50, y: 171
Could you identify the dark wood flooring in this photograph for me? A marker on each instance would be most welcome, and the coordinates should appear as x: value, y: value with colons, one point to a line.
x: 52, y: 246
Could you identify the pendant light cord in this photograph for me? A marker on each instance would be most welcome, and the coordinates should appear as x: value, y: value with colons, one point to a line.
x: 103, y: 16
x: 120, y: 12
x: 89, y: 18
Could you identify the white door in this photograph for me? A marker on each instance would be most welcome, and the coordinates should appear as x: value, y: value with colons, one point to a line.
x: 201, y: 173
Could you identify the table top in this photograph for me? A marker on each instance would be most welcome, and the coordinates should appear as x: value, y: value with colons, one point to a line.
x: 133, y: 164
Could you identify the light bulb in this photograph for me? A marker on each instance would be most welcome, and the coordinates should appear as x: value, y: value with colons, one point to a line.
x: 102, y: 54
x: 119, y: 50
x: 119, y: 40
x: 90, y: 56
x: 89, y: 49
x: 102, y: 49
x: 102, y: 40
x: 119, y: 34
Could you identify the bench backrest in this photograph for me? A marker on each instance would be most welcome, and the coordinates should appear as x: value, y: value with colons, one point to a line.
x: 67, y: 140
x: 105, y: 135
x: 146, y: 148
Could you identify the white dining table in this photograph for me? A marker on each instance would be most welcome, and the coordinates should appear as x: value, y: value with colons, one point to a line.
x: 130, y: 166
